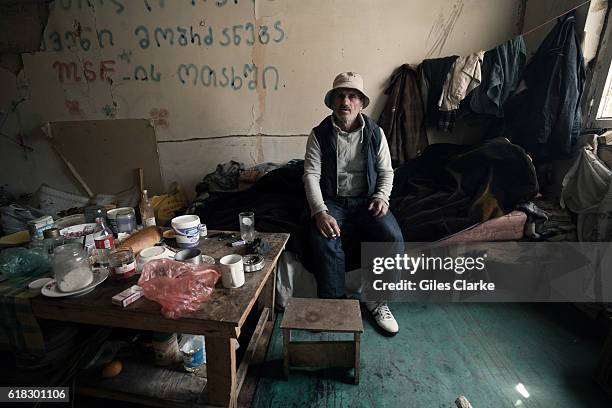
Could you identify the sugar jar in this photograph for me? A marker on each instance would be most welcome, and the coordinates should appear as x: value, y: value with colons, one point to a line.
x: 71, y: 267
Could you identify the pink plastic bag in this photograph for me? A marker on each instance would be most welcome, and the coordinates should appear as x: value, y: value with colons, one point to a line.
x: 179, y: 287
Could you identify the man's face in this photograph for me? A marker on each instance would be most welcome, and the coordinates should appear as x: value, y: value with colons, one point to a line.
x: 346, y: 104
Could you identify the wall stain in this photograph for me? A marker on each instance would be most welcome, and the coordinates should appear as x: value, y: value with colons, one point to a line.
x: 159, y: 117
x: 520, y: 18
x: 110, y: 111
x: 74, y: 108
x: 126, y: 55
x: 258, y: 59
x: 442, y: 28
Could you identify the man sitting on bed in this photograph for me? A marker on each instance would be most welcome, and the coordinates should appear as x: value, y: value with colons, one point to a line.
x: 348, y: 180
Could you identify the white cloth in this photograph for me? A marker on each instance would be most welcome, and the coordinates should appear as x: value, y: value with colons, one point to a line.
x: 463, y: 77
x: 587, y: 191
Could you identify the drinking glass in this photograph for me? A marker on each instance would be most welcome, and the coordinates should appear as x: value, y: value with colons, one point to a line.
x: 247, y: 226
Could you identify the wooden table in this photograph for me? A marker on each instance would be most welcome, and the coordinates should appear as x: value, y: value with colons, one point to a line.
x: 220, y: 320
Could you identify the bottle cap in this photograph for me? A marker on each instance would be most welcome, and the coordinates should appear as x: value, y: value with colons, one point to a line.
x: 51, y: 233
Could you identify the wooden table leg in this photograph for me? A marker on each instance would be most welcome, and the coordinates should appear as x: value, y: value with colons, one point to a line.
x: 357, y: 351
x: 286, y: 340
x: 267, y: 297
x: 221, y: 371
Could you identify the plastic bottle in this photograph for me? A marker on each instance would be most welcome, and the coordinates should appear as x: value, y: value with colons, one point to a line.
x: 193, y: 349
x: 103, y: 240
x: 147, y: 214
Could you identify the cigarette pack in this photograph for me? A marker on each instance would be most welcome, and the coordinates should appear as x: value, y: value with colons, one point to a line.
x: 128, y: 296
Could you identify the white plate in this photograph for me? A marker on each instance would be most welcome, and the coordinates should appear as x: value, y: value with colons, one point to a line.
x: 51, y: 290
x: 77, y: 231
x: 36, y: 285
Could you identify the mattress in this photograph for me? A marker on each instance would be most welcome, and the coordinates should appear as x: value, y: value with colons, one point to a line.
x: 508, y: 227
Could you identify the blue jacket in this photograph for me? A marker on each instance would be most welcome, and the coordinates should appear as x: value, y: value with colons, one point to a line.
x: 555, y: 79
x: 326, y: 138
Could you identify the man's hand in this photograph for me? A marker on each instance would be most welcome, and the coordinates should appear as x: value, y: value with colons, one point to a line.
x: 378, y: 208
x: 327, y: 225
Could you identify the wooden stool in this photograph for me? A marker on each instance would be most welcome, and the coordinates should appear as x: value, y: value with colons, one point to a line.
x: 329, y: 315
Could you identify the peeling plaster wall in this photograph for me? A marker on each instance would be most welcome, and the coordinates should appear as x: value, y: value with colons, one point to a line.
x: 125, y: 65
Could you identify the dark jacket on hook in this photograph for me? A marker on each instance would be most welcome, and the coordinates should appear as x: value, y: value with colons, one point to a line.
x: 555, y: 78
x: 402, y: 117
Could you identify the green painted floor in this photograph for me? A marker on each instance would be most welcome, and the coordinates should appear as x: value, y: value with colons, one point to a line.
x: 482, y: 351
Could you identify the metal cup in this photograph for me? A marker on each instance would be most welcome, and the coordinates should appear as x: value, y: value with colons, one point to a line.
x: 192, y: 255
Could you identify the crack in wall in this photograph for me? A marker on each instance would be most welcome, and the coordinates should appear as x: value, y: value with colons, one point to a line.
x: 260, y: 136
x: 258, y: 60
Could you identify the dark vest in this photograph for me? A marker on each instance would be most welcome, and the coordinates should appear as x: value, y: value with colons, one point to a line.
x: 328, y: 143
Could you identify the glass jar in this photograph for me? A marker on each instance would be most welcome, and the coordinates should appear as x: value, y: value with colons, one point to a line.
x: 126, y: 221
x: 122, y: 264
x: 71, y: 268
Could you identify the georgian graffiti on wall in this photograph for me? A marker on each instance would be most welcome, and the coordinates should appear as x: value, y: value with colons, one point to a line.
x: 86, y: 44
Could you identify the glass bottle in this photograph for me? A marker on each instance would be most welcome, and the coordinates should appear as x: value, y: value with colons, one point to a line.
x: 147, y: 214
x: 103, y: 240
x: 52, y: 239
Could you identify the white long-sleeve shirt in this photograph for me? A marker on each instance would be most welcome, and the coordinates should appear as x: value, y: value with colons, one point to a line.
x: 351, y: 176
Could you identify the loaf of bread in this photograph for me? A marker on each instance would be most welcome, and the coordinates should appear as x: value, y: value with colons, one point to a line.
x: 142, y: 239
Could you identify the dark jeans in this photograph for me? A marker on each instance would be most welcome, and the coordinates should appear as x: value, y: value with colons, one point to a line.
x: 356, y: 222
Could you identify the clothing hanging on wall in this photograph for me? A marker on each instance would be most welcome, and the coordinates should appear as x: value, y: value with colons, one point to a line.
x: 501, y: 70
x: 463, y: 76
x: 549, y: 119
x: 432, y: 76
x: 402, y: 117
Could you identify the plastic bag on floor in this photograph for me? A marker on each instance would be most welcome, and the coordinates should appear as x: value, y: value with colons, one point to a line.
x: 179, y: 287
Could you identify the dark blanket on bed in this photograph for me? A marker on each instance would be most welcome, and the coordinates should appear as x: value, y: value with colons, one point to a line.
x: 452, y: 187
x: 445, y: 190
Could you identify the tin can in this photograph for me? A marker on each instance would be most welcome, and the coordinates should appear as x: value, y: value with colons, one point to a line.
x: 122, y: 264
x: 165, y: 347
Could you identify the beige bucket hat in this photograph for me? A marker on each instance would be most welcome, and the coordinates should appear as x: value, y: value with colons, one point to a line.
x: 347, y: 80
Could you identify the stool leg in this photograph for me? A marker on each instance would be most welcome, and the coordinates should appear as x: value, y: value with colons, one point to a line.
x: 286, y: 340
x: 357, y: 346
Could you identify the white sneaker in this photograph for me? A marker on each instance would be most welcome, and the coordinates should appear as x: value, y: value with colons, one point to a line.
x: 383, y: 317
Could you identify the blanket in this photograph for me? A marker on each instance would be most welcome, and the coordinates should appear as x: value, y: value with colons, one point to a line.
x: 452, y: 187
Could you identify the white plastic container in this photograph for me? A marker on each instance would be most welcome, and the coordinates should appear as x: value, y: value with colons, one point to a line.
x: 187, y: 228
